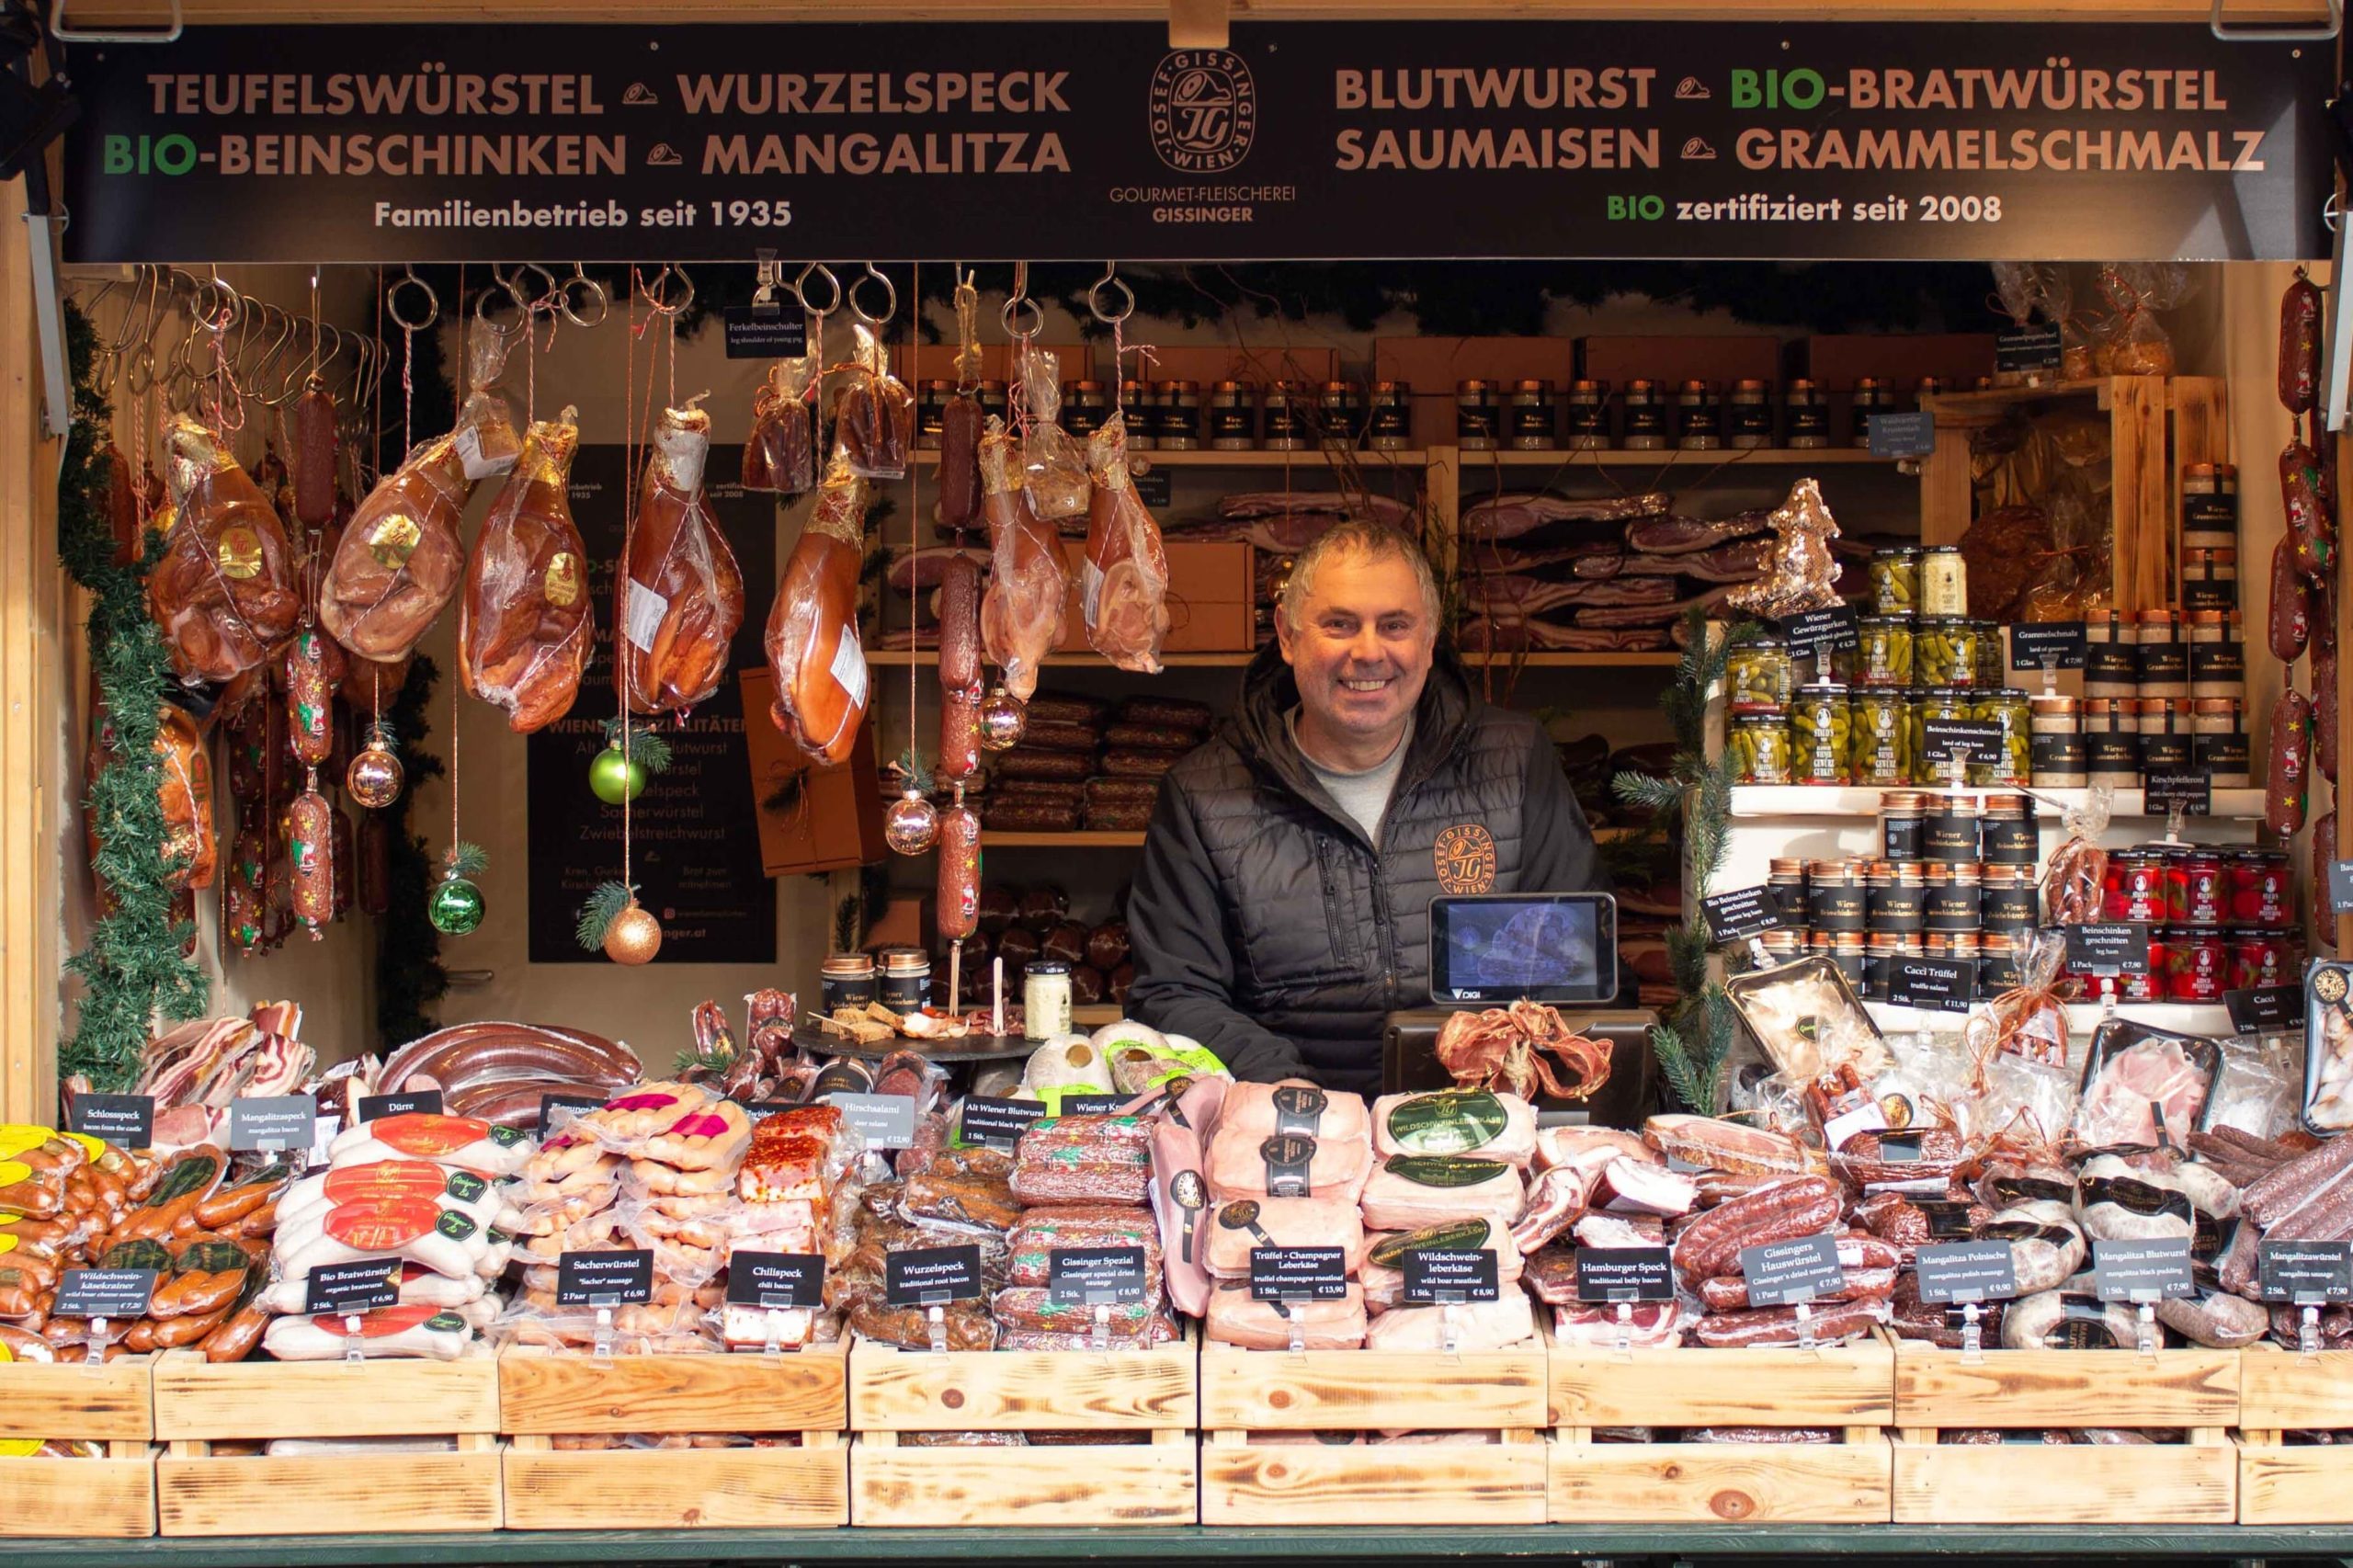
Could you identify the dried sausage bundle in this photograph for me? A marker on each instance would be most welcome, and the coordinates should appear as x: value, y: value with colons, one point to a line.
x: 821, y: 676
x: 525, y: 626
x: 399, y: 562
x: 1022, y: 613
x: 224, y: 591
x: 680, y: 595
x: 1052, y: 471
x: 875, y: 423
x: 1124, y: 592
x: 782, y: 453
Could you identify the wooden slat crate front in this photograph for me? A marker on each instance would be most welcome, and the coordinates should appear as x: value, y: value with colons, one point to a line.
x: 2298, y: 1483
x: 113, y: 1497
x: 1153, y: 1483
x: 893, y: 1390
x: 388, y: 1398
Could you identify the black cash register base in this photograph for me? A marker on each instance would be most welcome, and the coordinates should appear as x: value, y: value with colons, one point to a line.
x: 1409, y: 1061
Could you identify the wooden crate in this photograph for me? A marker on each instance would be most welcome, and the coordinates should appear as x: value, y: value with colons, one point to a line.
x: 544, y: 1395
x: 2195, y: 1482
x: 112, y: 1497
x: 2306, y: 1483
x: 893, y: 1390
x: 896, y: 1487
x: 1848, y: 1387
x: 403, y: 1398
x: 1247, y: 1479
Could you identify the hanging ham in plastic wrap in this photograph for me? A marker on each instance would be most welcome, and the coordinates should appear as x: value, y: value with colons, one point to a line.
x: 524, y: 626
x: 224, y: 592
x: 1124, y: 591
x: 185, y: 792
x: 813, y: 652
x: 399, y: 562
x: 1021, y: 614
x: 875, y: 423
x: 1052, y: 469
x: 678, y: 601
x: 782, y: 453
x: 488, y: 442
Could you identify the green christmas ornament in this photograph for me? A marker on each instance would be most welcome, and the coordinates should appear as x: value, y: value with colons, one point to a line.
x: 615, y: 778
x: 455, y: 906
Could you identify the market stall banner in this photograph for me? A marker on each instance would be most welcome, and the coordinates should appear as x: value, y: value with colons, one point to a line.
x: 1303, y: 140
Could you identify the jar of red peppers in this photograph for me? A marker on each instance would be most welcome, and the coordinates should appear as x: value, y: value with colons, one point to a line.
x: 2258, y: 888
x: 2194, y: 892
x: 2261, y: 958
x: 2196, y: 964
x: 2135, y: 886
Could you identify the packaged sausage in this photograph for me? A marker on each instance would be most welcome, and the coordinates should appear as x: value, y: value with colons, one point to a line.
x: 1085, y: 1159
x: 780, y: 456
x: 874, y: 423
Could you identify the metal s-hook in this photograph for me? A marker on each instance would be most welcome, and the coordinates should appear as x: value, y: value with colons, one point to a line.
x: 409, y: 280
x: 817, y: 271
x: 498, y: 287
x: 1020, y: 301
x: 1111, y: 279
x: 655, y: 300
x: 596, y: 298
x: 890, y: 296
x: 544, y: 303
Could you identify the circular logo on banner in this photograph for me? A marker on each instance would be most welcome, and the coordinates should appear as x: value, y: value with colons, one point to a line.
x: 2329, y: 985
x: 1465, y: 854
x: 1204, y: 110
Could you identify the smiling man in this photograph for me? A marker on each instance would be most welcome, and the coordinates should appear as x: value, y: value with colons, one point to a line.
x: 1283, y: 904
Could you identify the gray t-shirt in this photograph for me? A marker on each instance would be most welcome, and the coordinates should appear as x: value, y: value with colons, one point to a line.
x: 1364, y: 796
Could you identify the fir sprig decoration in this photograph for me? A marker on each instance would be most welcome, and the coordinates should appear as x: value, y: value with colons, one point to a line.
x: 596, y: 917
x: 466, y: 858
x: 647, y: 749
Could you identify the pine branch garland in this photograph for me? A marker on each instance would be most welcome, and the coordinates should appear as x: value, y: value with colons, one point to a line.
x: 409, y: 975
x: 647, y: 746
x: 597, y: 916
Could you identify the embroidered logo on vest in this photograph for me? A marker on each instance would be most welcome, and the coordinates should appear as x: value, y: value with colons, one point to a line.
x: 1465, y: 854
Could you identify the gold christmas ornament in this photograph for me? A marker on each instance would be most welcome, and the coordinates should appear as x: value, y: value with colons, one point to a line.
x: 1800, y: 574
x: 375, y: 775
x: 633, y: 938
x: 1002, y: 718
x: 911, y: 826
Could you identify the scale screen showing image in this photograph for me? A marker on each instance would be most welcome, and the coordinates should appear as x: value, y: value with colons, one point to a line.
x: 1556, y: 948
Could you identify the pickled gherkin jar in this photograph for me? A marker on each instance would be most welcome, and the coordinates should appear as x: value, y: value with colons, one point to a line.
x: 2011, y: 709
x: 1944, y: 702
x: 1895, y: 580
x: 1759, y: 745
x: 1883, y: 745
x: 1821, y: 734
x: 1756, y: 676
x: 1990, y: 653
x: 1944, y: 651
x: 1883, y: 651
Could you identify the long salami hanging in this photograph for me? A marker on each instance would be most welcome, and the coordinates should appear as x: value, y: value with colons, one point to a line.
x: 2303, y: 612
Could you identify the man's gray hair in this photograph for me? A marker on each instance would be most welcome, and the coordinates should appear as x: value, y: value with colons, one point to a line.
x: 1370, y: 540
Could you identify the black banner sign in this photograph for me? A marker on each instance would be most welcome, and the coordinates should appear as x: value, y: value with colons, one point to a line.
x: 985, y: 141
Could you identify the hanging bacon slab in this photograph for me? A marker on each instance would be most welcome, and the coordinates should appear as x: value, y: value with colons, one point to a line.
x: 1022, y: 613
x: 822, y: 681
x: 1124, y: 591
x: 399, y: 562
x: 224, y: 592
x: 524, y: 626
x: 680, y: 596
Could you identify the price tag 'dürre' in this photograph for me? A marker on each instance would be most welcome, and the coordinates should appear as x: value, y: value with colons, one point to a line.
x: 2142, y: 1271
x: 777, y: 1280
x: 126, y: 1121
x: 1818, y: 631
x: 2117, y: 948
x: 931, y: 1277
x: 1095, y: 1277
x: 1740, y: 914
x: 361, y: 1287
x: 2306, y: 1273
x: 2056, y: 645
x: 2266, y: 1009
x: 118, y: 1295
x: 1947, y: 741
x: 273, y: 1123
x: 1937, y: 985
x: 1450, y: 1276
x: 2189, y: 789
x: 1781, y: 1274
x: 424, y: 1102
x: 604, y: 1279
x: 999, y: 1123
x: 1967, y: 1271
x: 1624, y: 1274
x: 885, y: 1121
x: 1298, y: 1274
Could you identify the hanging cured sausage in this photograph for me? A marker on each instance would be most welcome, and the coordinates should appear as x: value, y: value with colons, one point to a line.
x: 813, y: 652
x: 310, y: 848
x: 310, y: 696
x: 1124, y: 592
x: 524, y: 626
x: 875, y: 424
x: 679, y: 597
x: 224, y: 592
x: 399, y: 562
x: 314, y: 453
x: 1022, y: 613
x: 781, y: 454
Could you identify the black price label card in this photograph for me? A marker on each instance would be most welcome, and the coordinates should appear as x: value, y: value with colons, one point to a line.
x: 757, y: 332
x: 1741, y: 913
x: 118, y: 1295
x: 1095, y: 1275
x: 2192, y: 790
x: 930, y: 1277
x: 1967, y: 1271
x: 1811, y: 634
x: 361, y: 1287
x: 569, y: 1104
x: 2120, y: 949
x: 1624, y: 1274
x: 2144, y: 1270
x: 604, y: 1279
x: 2023, y: 351
x: 1902, y: 435
x: 885, y: 1121
x: 2055, y: 643
x: 1782, y: 1274
x: 128, y: 1122
x: 2306, y: 1273
x: 424, y: 1102
x: 2340, y: 887
x: 1940, y: 985
x: 1947, y: 741
x: 2266, y: 1009
x: 1449, y: 1276
x: 273, y: 1123
x: 998, y: 1124
x: 778, y: 1281
x: 1153, y: 488
x: 1298, y: 1274
x: 1091, y: 1105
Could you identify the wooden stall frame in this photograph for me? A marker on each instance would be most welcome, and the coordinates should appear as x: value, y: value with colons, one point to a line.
x: 2280, y: 1483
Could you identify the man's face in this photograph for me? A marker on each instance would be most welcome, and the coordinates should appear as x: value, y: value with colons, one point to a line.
x: 1362, y: 650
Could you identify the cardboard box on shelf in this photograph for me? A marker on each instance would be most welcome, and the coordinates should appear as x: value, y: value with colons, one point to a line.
x: 1838, y: 359
x: 1725, y: 357
x: 1210, y: 598
x: 1432, y: 365
x: 821, y: 819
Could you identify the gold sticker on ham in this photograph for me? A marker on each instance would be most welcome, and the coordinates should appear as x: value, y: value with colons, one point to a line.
x: 394, y: 540
x: 562, y: 586
x: 240, y: 554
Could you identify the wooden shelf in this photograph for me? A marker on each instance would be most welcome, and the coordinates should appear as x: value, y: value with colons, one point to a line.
x: 1061, y: 840
x: 1312, y: 456
x: 1661, y: 659
x: 1859, y: 802
x: 899, y: 658
x: 1664, y: 658
x: 1993, y: 399
x: 1673, y: 456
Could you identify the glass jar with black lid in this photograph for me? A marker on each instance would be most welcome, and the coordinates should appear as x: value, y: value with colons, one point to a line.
x: 1290, y: 417
x: 1389, y: 418
x: 1644, y: 416
x: 1587, y: 414
x: 1698, y: 421
x: 1233, y: 417
x: 1476, y: 422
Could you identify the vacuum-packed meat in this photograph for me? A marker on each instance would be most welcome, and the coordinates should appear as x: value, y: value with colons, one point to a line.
x: 1022, y: 613
x: 399, y: 562
x: 525, y: 626
x: 821, y: 683
x: 224, y: 593
x: 680, y: 595
x: 1123, y: 592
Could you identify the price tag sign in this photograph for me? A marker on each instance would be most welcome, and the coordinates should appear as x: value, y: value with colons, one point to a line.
x: 2340, y: 887
x: 2189, y: 789
x: 1818, y: 632
x: 1096, y: 1276
x: 930, y: 1277
x: 1947, y: 741
x: 2037, y: 644
x: 999, y: 1123
x: 1091, y: 1105
x: 128, y: 1122
x: 2306, y: 1273
x: 2119, y: 948
x: 1902, y: 435
x: 1743, y: 913
x: 273, y: 1123
x: 1939, y: 986
x: 757, y: 332
x: 1782, y: 1274
x: 2266, y: 1009
x: 426, y: 1102
x: 2027, y: 350
x: 1967, y: 1271
x: 118, y: 1295
x: 1154, y: 489
x: 569, y: 1104
x: 2145, y: 1270
x: 1449, y: 1276
x: 885, y: 1121
x: 777, y: 1280
x: 361, y: 1287
x: 1624, y: 1274
x: 604, y: 1279
x: 1298, y: 1274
